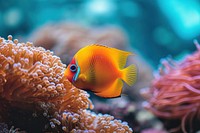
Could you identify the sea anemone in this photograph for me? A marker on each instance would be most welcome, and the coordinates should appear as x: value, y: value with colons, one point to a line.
x: 175, y: 91
x: 33, y: 75
x: 32, y: 84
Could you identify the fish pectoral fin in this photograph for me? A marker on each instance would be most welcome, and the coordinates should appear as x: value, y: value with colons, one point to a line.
x: 112, y: 91
x: 83, y: 77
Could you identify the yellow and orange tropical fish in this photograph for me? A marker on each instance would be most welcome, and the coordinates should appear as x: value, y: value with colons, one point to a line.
x: 100, y: 69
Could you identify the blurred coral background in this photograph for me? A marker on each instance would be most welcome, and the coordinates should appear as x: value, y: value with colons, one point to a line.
x: 152, y: 29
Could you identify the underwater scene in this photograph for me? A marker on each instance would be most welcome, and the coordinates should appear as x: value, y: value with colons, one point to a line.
x: 100, y: 66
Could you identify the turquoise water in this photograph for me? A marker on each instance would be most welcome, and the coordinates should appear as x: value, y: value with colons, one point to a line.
x: 155, y: 28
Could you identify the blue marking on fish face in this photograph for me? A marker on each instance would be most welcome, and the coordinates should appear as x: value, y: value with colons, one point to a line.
x: 77, y: 73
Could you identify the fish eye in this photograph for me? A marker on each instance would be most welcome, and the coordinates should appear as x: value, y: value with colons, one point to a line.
x: 73, y: 68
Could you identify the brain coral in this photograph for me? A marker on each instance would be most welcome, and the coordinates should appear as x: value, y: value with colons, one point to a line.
x: 175, y: 92
x: 31, y: 80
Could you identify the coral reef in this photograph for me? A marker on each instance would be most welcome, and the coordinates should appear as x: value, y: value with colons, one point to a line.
x: 175, y: 93
x: 130, y: 111
x: 4, y: 129
x: 153, y: 131
x: 33, y: 89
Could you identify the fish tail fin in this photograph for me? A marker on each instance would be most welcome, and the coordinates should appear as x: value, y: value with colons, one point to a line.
x: 129, y: 74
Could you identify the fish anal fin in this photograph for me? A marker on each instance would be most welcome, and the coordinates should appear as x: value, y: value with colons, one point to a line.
x: 112, y: 91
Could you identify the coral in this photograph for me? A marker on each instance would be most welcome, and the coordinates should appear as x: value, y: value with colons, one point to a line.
x: 32, y: 86
x: 4, y: 129
x: 153, y: 131
x: 33, y: 75
x: 175, y: 92
x: 132, y: 112
x: 103, y: 123
x: 126, y: 110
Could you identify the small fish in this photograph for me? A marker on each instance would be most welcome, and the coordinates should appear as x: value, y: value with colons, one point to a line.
x: 100, y: 69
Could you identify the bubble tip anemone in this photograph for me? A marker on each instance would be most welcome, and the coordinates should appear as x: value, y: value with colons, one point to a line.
x: 174, y: 93
x: 31, y: 79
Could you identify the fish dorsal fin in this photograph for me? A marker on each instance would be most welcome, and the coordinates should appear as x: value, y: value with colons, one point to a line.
x: 111, y: 91
x: 99, y: 45
x: 119, y: 56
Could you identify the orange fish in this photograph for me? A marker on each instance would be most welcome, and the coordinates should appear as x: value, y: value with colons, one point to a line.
x: 100, y: 69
